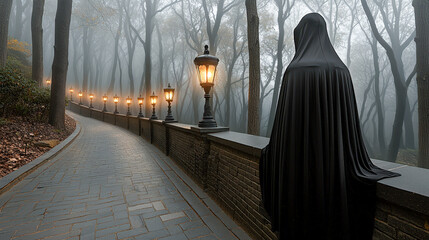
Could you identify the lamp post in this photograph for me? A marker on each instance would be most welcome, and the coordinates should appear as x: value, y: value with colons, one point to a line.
x: 169, y: 94
x: 116, y: 100
x: 129, y: 100
x: 48, y: 82
x: 153, y: 99
x: 80, y: 97
x: 105, y: 101
x: 91, y: 96
x: 140, y: 100
x: 71, y: 94
x: 206, y: 68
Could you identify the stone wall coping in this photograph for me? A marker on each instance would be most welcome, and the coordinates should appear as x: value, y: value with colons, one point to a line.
x: 410, y: 190
x: 145, y: 119
x: 157, y: 121
x: 195, y: 128
x: 96, y: 110
x: 244, y: 142
x: 120, y: 115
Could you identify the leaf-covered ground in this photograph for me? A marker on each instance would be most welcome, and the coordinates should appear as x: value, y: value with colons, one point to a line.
x: 18, y: 138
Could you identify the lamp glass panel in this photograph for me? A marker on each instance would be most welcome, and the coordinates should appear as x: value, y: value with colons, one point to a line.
x: 211, y: 74
x: 203, y: 71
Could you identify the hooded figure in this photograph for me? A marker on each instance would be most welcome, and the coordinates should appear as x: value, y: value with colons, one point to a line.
x: 317, y: 180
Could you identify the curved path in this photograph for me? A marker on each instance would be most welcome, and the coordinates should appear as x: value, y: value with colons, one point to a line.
x: 110, y: 184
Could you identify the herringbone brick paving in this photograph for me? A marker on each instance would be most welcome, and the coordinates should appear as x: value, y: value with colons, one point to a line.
x: 108, y: 184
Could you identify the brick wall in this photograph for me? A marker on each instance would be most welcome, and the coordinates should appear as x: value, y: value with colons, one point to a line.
x: 146, y: 129
x: 97, y: 114
x: 233, y: 181
x: 109, y: 118
x: 134, y: 124
x: 190, y: 151
x: 159, y: 135
x: 122, y: 121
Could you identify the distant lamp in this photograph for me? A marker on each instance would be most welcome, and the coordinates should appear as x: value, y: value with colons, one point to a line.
x: 80, y: 97
x: 206, y: 68
x: 129, y: 100
x: 91, y: 96
x: 140, y: 100
x: 169, y: 94
x: 48, y: 82
x: 71, y: 94
x: 116, y: 100
x: 153, y: 99
x: 105, y: 101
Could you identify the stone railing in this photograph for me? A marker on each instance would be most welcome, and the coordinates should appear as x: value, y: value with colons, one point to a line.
x: 226, y: 165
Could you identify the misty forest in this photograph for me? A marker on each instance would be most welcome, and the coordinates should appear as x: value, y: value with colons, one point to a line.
x: 130, y: 48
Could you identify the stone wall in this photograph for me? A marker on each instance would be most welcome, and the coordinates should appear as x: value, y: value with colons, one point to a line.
x: 226, y: 165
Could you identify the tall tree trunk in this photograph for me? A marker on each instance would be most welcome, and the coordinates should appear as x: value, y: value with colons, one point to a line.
x: 421, y: 8
x: 253, y: 124
x: 37, y: 39
x: 5, y: 7
x: 18, y: 19
x: 378, y: 104
x: 148, y: 57
x: 60, y: 63
x: 116, y: 54
x: 85, y: 45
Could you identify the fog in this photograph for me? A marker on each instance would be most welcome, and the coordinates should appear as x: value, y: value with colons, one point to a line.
x: 114, y: 43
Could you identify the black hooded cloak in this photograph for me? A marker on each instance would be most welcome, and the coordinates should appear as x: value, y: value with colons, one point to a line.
x: 317, y: 180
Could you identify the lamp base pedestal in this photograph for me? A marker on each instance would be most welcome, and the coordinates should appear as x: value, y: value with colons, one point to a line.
x: 207, y: 123
x: 154, y: 117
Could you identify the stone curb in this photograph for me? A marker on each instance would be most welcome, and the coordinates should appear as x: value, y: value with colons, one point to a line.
x: 10, y: 180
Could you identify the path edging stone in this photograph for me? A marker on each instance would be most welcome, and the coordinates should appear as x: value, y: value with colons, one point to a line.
x: 10, y: 180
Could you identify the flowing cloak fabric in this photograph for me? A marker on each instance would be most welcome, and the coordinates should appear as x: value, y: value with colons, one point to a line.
x: 317, y: 180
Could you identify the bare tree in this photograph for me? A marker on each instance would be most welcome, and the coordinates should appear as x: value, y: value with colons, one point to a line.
x: 5, y: 7
x: 37, y: 39
x: 253, y: 122
x: 284, y: 8
x: 421, y: 9
x: 394, y: 54
x: 60, y: 64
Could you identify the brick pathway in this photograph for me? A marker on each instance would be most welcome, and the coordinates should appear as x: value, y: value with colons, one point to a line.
x: 109, y: 184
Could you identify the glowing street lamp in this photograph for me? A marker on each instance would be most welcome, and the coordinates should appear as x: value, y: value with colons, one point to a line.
x: 116, y: 100
x: 105, y: 101
x: 169, y: 94
x: 71, y: 94
x: 153, y: 99
x: 91, y: 96
x: 140, y: 100
x: 48, y: 82
x: 206, y: 68
x: 129, y: 100
x: 80, y: 97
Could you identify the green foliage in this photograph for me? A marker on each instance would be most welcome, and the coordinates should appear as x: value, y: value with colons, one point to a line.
x: 20, y: 96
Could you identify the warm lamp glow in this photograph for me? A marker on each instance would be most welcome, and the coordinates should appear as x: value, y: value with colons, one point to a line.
x: 71, y: 90
x: 140, y: 100
x: 169, y: 93
x: 116, y: 99
x: 153, y: 99
x: 91, y: 96
x: 129, y: 100
x: 80, y: 94
x: 105, y: 98
x: 48, y: 81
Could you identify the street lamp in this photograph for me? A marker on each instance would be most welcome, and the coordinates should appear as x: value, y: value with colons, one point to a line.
x: 116, y: 100
x: 169, y: 94
x: 48, y: 82
x: 71, y: 94
x: 129, y: 100
x: 153, y: 99
x: 80, y: 97
x: 91, y: 96
x: 206, y: 67
x: 140, y: 100
x: 105, y: 101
